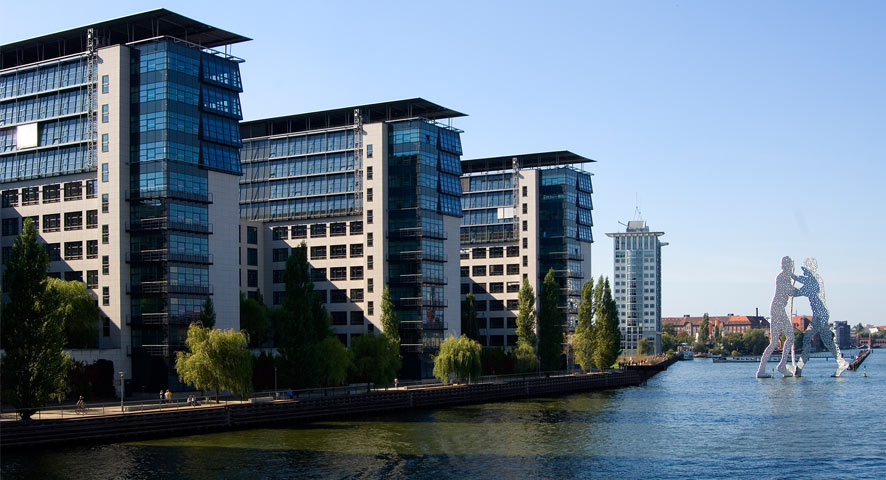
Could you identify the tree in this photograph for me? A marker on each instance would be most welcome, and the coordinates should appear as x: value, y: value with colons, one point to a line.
x: 375, y: 359
x: 583, y: 339
x: 469, y: 324
x: 335, y: 361
x: 77, y: 311
x: 755, y: 341
x: 644, y: 347
x: 607, y: 335
x: 550, y: 324
x: 732, y: 342
x: 700, y: 347
x: 389, y: 322
x: 668, y: 342
x: 216, y: 359
x: 254, y: 320
x: 207, y: 314
x: 303, y: 322
x: 458, y: 358
x: 525, y: 359
x: 669, y: 328
x: 704, y: 330
x: 34, y: 364
x: 718, y: 334
x: 526, y: 315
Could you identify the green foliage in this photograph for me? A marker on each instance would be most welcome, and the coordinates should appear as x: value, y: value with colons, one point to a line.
x: 700, y: 347
x: 550, y: 324
x: 216, y: 359
x: 458, y: 358
x: 669, y: 328
x: 34, y: 366
x: 704, y: 329
x: 644, y: 347
x: 77, y: 311
x: 583, y: 339
x: 375, y: 359
x: 718, y: 335
x: 335, y: 361
x: 469, y: 324
x: 525, y: 359
x: 607, y: 335
x: 254, y: 320
x: 302, y: 323
x: 496, y: 361
x: 389, y: 322
x: 668, y: 342
x: 207, y: 314
x: 526, y: 315
x: 732, y: 342
x: 755, y: 341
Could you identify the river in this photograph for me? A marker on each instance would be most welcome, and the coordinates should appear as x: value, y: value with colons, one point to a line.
x: 698, y: 419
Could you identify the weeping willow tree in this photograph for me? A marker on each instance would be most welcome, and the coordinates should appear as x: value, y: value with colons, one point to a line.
x: 216, y: 360
x: 458, y: 358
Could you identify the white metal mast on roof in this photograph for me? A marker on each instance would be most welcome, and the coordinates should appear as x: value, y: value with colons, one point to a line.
x: 358, y: 161
x: 91, y: 98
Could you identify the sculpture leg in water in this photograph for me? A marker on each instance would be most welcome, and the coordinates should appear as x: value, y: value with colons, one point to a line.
x: 786, y: 349
x: 779, y: 318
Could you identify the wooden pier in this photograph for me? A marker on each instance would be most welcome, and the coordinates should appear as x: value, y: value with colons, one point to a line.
x: 862, y: 355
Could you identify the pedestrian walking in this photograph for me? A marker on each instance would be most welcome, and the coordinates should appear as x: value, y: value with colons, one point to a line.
x: 162, y: 397
x: 168, y: 396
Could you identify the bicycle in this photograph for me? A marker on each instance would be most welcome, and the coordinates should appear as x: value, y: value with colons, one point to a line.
x: 81, y: 407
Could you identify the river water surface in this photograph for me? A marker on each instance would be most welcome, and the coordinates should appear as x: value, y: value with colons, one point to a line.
x: 697, y: 420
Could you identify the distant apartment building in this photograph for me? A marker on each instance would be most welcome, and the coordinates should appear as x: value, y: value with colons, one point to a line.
x: 120, y: 140
x: 637, y: 284
x: 524, y: 215
x: 730, y: 323
x: 374, y: 193
x: 842, y: 335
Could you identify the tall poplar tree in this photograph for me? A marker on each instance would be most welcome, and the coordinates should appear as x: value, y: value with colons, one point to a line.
x: 607, y: 344
x: 704, y: 335
x: 34, y: 365
x: 207, y: 314
x: 525, y: 357
x: 550, y: 324
x: 389, y: 322
x: 469, y: 325
x: 583, y: 339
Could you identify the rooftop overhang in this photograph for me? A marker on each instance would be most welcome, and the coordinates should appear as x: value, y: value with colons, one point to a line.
x: 131, y: 28
x: 344, y: 116
x: 526, y: 160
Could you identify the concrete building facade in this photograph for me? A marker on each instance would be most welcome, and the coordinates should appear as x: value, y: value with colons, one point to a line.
x: 524, y: 215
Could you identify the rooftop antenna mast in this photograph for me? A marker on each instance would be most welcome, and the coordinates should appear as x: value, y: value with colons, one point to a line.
x: 637, y: 214
x: 91, y: 100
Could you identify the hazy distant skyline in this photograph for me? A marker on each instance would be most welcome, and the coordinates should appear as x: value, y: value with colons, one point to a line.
x: 747, y: 130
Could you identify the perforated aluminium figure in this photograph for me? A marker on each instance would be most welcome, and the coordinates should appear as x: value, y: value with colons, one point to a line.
x: 813, y: 289
x: 779, y: 321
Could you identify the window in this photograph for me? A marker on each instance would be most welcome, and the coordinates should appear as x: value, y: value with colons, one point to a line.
x: 478, y: 288
x: 51, y: 193
x: 496, y: 252
x: 10, y: 226
x: 356, y: 295
x: 104, y: 142
x: 105, y: 113
x: 105, y: 203
x: 252, y: 278
x: 513, y: 268
x: 92, y: 219
x: 481, y: 305
x: 338, y: 296
x: 318, y: 230
x: 368, y: 173
x: 92, y: 249
x: 73, y: 250
x: 279, y: 276
x: 338, y: 229
x: 54, y: 251
x: 321, y: 296
x: 357, y: 273
x: 278, y: 297
x: 318, y: 274
x: 525, y: 208
x: 478, y: 252
x: 478, y: 270
x: 252, y: 257
x: 338, y: 273
x: 34, y: 219
x: 370, y: 308
x: 496, y: 270
x: 105, y: 83
x: 496, y: 287
x: 106, y: 327
x: 252, y: 235
x: 105, y: 172
x: 524, y: 191
x: 525, y: 242
x: 106, y: 295
x: 497, y: 322
x: 357, y: 318
x: 356, y: 227
x: 369, y: 240
x: 356, y: 250
x: 299, y: 231
x: 73, y: 221
x: 10, y: 198
x: 7, y: 251
x: 73, y: 276
x: 465, y: 289
x: 496, y: 305
x: 318, y: 253
x: 92, y: 279
x: 338, y: 251
x: 281, y: 233
x: 513, y: 287
x: 106, y: 264
x: 525, y: 226
x: 525, y: 261
x: 368, y: 194
x: 339, y: 318
x: 51, y: 223
x: 513, y: 304
x: 281, y: 254
x: 465, y: 254
x: 369, y: 150
x: 465, y: 271
x: 370, y: 285
x: 73, y: 191
x: 31, y: 195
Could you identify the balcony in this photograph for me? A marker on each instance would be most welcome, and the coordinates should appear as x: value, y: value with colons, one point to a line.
x: 408, y: 302
x: 417, y: 279
x: 417, y: 255
x: 417, y: 232
x: 562, y: 256
x: 163, y: 287
x: 157, y: 224
x: 161, y: 319
x: 179, y: 194
x: 162, y: 255
x: 148, y: 351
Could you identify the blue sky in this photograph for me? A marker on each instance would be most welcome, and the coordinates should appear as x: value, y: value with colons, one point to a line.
x: 748, y: 130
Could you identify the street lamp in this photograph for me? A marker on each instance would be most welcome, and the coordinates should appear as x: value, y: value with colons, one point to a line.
x: 122, y: 392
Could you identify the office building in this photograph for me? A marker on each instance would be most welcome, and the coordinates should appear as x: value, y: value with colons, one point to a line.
x: 373, y: 191
x: 637, y: 285
x: 524, y: 215
x: 120, y: 139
